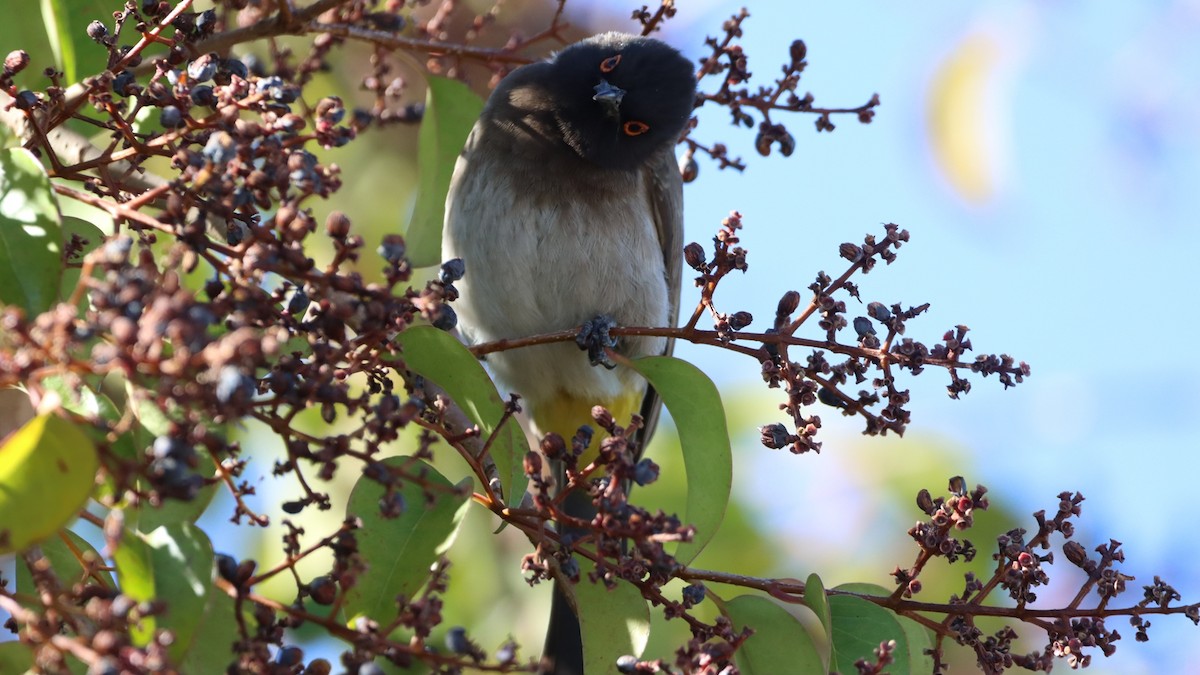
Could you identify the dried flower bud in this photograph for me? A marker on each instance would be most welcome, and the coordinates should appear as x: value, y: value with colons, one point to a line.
x: 1075, y: 553
x: 739, y: 320
x: 863, y: 326
x: 97, y: 31
x: 16, y: 61
x: 693, y: 255
x: 787, y: 144
x: 688, y: 168
x: 553, y: 446
x: 829, y: 398
x: 774, y: 436
x: 645, y: 472
x: 533, y: 464
x: 851, y: 252
x: 925, y: 501
x: 788, y: 304
x: 337, y: 225
x: 392, y: 249
x: 603, y: 417
x: 798, y: 51
x: 762, y: 143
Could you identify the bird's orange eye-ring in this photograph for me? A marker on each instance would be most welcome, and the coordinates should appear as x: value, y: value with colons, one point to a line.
x: 610, y: 64
x: 635, y: 128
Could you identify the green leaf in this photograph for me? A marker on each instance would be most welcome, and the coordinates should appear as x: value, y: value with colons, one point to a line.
x: 859, y: 626
x: 174, y: 564
x: 47, y: 456
x: 402, y: 549
x: 779, y: 644
x: 917, y: 637
x: 451, y: 109
x: 695, y: 405
x: 134, y: 560
x: 63, y: 561
x: 211, y: 650
x: 58, y: 31
x: 15, y: 657
x: 30, y: 235
x: 437, y: 356
x: 815, y: 599
x: 612, y: 623
x: 148, y: 413
x: 93, y: 236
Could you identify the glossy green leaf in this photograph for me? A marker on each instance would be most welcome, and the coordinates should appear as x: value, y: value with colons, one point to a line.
x: 211, y: 650
x: 859, y: 626
x: 15, y: 657
x: 916, y: 640
x: 613, y: 622
x: 66, y: 565
x: 437, y: 356
x: 183, y: 577
x: 174, y: 564
x: 779, y: 644
x: 451, y: 109
x: 402, y: 549
x: 47, y: 456
x: 695, y: 405
x: 30, y: 235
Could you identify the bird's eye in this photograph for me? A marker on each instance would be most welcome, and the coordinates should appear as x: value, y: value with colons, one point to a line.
x: 610, y: 64
x: 635, y: 128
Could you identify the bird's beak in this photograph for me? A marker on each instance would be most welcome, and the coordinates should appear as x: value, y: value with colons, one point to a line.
x: 609, y: 97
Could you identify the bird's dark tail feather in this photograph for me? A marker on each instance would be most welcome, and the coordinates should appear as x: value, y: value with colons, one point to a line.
x: 563, y: 653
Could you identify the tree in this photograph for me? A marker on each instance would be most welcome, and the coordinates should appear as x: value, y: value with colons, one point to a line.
x: 164, y: 281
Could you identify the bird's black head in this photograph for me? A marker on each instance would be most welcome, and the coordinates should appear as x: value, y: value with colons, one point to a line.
x: 618, y: 98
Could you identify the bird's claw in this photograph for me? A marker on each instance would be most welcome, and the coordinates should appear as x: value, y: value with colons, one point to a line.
x: 594, y: 337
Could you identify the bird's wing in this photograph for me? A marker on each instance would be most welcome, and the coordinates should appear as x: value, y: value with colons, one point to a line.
x: 665, y: 189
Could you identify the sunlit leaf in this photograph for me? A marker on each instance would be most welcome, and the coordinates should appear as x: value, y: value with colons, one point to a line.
x: 30, y: 235
x: 402, y: 549
x: 174, y: 564
x: 211, y: 650
x: 695, y: 405
x: 437, y: 356
x: 47, y: 470
x: 612, y: 623
x: 451, y: 109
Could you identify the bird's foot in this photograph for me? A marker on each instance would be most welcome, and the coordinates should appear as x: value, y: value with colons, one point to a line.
x: 595, y: 339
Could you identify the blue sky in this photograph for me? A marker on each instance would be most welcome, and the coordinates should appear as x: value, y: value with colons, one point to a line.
x: 1077, y: 260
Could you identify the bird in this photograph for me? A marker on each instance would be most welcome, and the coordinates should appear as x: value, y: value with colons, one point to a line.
x: 566, y: 207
